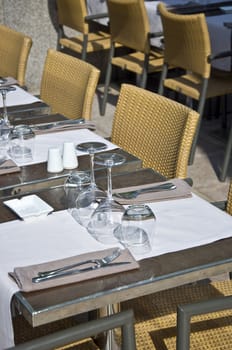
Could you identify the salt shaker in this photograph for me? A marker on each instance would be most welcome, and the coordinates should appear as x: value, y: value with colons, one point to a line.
x: 54, y: 164
x: 69, y: 156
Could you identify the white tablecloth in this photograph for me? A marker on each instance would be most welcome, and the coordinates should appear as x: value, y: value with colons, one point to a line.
x: 44, y: 142
x: 220, y: 39
x: 181, y: 224
x: 19, y: 97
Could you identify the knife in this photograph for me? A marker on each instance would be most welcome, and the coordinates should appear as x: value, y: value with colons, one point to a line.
x: 38, y: 279
x: 8, y: 167
x: 44, y: 126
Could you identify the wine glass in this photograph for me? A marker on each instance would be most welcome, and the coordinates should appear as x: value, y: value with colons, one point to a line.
x: 107, y: 216
x: 137, y: 229
x: 89, y: 198
x: 4, y: 121
x: 3, y: 91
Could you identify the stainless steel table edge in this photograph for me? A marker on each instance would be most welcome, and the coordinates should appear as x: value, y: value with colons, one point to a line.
x: 118, y: 294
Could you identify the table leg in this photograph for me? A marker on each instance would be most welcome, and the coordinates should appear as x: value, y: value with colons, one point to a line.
x: 111, y: 339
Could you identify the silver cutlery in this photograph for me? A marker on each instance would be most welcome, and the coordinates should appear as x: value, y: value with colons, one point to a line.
x: 46, y: 126
x: 158, y: 188
x: 7, y: 167
x: 38, y: 279
x: 96, y: 263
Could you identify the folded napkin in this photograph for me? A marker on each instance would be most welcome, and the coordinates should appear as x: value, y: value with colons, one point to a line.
x: 9, y: 167
x: 23, y: 275
x: 9, y: 81
x: 41, y: 129
x: 183, y: 190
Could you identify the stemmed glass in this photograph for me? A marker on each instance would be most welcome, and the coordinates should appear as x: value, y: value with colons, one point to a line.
x: 89, y: 198
x: 107, y: 216
x: 3, y: 91
x: 4, y: 121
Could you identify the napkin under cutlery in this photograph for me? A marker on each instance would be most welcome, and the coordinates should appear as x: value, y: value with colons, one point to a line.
x: 56, y: 127
x: 183, y: 190
x: 9, y: 166
x: 23, y: 275
x: 7, y: 81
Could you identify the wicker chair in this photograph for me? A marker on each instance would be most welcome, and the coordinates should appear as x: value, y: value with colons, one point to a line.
x: 68, y: 85
x: 129, y: 27
x: 14, y: 51
x: 71, y: 336
x: 187, y: 46
x: 155, y: 129
x: 162, y: 320
x: 73, y: 14
x: 229, y: 200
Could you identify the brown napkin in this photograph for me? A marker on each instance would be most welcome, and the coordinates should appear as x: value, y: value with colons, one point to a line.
x: 23, y: 275
x: 183, y: 190
x: 9, y: 163
x: 66, y: 127
x: 9, y: 81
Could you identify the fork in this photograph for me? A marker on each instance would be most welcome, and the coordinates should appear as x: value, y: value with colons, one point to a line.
x: 158, y: 188
x: 96, y: 264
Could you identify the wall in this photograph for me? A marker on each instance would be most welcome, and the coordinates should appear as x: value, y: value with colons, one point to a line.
x: 35, y: 18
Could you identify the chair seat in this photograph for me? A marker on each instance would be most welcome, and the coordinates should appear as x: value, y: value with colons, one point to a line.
x: 190, y: 85
x: 155, y: 317
x: 96, y: 42
x: 133, y: 62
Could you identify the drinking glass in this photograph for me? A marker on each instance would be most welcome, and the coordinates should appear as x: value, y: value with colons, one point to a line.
x: 90, y: 197
x: 137, y: 229
x: 107, y: 216
x: 74, y: 184
x: 21, y: 143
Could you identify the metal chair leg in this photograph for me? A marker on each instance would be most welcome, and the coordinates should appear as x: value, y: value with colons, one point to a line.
x: 227, y: 156
x: 107, y: 81
x: 200, y: 111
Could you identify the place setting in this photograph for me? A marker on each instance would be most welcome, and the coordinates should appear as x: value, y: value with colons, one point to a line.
x: 73, y: 269
x: 63, y: 125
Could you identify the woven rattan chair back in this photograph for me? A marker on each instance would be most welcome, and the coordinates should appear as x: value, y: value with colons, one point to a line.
x: 130, y: 27
x: 68, y: 85
x: 73, y: 14
x: 156, y: 320
x: 155, y: 129
x: 14, y: 51
x: 123, y: 16
x: 191, y: 52
x: 229, y: 199
x: 187, y: 46
x: 64, y: 334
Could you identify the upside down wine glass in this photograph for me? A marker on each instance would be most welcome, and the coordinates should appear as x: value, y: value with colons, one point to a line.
x: 89, y: 198
x: 3, y: 91
x: 107, y: 216
x: 4, y: 121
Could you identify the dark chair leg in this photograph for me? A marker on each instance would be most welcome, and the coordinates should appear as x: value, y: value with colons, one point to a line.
x: 107, y: 81
x: 227, y: 156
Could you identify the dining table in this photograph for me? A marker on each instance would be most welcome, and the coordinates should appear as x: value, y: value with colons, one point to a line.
x: 218, y: 14
x: 192, y: 238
